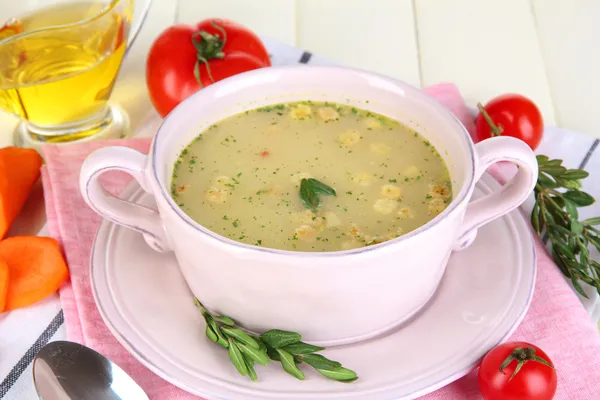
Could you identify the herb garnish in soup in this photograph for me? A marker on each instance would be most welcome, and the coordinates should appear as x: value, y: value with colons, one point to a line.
x: 311, y: 176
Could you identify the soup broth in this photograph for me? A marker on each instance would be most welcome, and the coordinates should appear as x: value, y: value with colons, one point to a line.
x: 310, y: 176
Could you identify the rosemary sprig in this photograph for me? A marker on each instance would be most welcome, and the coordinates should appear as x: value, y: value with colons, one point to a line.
x: 555, y: 215
x: 273, y: 345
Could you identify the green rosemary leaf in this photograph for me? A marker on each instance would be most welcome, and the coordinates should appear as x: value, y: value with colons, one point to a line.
x: 542, y: 159
x: 224, y: 320
x: 575, y: 174
x: 220, y: 338
x: 559, y: 200
x: 236, y: 357
x: 564, y: 249
x: 317, y: 361
x: 592, y: 221
x: 302, y: 348
x: 240, y: 336
x: 578, y: 287
x: 277, y: 338
x: 580, y: 198
x: 576, y: 227
x: 553, y: 170
x: 554, y: 162
x: 568, y: 184
x: 254, y: 354
x: 273, y: 354
x: 340, y: 374
x: 211, y: 334
x: 559, y: 262
x: 546, y: 181
x: 251, y: 371
x: 572, y: 209
x: 561, y: 230
x: 595, y: 241
x: 289, y: 364
x: 535, y: 218
x: 558, y: 214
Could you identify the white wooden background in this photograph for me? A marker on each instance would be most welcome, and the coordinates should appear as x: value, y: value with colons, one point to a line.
x: 548, y: 50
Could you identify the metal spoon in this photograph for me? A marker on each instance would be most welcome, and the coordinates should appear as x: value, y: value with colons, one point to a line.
x: 70, y: 371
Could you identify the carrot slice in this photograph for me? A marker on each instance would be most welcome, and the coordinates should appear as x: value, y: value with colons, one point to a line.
x: 36, y: 269
x: 19, y: 170
x: 3, y: 284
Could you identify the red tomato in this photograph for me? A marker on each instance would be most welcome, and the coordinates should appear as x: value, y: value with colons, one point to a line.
x: 535, y: 380
x: 512, y: 115
x: 184, y: 59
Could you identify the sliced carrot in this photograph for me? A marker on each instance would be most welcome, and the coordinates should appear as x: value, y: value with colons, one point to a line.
x: 3, y: 284
x: 19, y: 170
x: 36, y: 269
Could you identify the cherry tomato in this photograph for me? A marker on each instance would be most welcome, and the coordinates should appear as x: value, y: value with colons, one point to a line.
x: 184, y: 59
x: 512, y: 115
x: 517, y: 371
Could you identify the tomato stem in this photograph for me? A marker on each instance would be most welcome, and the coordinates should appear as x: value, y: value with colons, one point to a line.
x: 209, y: 46
x: 495, y: 130
x: 522, y: 356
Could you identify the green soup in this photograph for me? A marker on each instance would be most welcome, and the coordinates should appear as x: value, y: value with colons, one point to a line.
x: 242, y: 178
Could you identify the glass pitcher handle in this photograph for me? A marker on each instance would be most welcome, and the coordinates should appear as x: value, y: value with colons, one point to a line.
x: 140, y: 12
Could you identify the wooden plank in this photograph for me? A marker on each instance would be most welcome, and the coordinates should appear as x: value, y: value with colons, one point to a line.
x: 569, y: 35
x: 359, y: 34
x: 486, y: 47
x: 273, y: 18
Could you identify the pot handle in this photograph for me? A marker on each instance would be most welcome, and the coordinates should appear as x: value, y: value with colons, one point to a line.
x: 134, y: 216
x: 510, y: 196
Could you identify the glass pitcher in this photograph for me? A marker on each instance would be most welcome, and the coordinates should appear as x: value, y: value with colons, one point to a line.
x: 58, y: 64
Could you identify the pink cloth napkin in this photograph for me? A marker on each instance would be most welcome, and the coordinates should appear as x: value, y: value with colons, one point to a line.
x: 556, y: 320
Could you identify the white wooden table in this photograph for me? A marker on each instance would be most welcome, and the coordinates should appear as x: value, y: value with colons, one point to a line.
x: 547, y: 50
